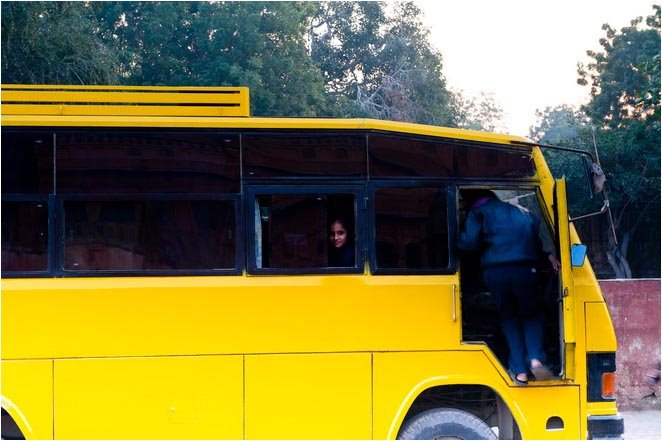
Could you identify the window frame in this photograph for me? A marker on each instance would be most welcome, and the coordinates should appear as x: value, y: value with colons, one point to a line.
x: 252, y: 191
x: 60, y: 271
x: 451, y: 213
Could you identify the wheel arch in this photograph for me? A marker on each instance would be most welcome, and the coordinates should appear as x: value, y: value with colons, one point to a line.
x: 449, y: 384
x: 12, y: 414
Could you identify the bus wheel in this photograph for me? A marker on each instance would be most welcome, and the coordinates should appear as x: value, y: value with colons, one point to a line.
x: 445, y: 424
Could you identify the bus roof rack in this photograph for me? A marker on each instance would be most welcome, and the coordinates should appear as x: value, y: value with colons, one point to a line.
x: 125, y: 100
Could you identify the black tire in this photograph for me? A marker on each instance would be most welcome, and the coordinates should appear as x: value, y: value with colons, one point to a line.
x: 445, y: 424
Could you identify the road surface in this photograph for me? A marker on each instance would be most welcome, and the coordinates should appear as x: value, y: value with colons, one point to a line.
x: 642, y: 425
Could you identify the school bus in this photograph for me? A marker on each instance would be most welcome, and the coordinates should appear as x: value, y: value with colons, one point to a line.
x: 166, y: 274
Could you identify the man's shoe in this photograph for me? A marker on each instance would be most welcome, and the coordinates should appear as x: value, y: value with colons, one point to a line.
x: 519, y: 382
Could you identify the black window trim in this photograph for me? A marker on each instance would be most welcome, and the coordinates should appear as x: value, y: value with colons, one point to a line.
x: 451, y: 203
x: 59, y: 270
x: 251, y: 191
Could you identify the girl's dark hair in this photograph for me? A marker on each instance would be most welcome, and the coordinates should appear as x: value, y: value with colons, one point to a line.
x: 346, y: 225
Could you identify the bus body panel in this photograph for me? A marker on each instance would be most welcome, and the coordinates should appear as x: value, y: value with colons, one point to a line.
x: 600, y: 335
x: 398, y: 375
x: 110, y: 317
x: 27, y: 395
x: 309, y: 396
x: 149, y: 398
x: 252, y: 123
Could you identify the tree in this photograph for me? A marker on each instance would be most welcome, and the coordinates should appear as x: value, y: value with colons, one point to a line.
x: 623, y: 119
x: 625, y: 108
x: 262, y: 45
x: 480, y: 112
x: 566, y: 126
x: 381, y: 65
x: 624, y: 77
x: 53, y: 43
x: 350, y: 59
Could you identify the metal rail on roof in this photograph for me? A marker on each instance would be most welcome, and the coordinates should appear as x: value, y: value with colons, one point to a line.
x: 125, y: 100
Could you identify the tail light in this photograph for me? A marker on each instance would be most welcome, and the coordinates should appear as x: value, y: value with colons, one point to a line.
x: 609, y: 385
x: 601, y: 373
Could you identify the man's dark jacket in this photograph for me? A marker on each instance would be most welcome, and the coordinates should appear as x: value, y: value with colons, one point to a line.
x: 503, y: 233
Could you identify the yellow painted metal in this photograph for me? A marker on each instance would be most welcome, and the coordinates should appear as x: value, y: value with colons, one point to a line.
x: 63, y: 112
x: 249, y: 123
x: 400, y: 377
x: 114, y: 110
x: 129, y: 100
x: 602, y: 408
x: 567, y: 283
x: 152, y: 316
x: 313, y: 396
x: 149, y: 398
x: 27, y: 395
x: 600, y: 335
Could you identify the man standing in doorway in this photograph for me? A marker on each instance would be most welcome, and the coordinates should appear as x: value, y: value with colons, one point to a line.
x: 507, y: 236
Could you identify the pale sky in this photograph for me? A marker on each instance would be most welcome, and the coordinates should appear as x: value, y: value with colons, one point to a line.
x: 525, y: 53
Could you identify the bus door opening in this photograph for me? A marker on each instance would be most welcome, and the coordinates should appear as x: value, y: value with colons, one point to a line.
x: 480, y: 316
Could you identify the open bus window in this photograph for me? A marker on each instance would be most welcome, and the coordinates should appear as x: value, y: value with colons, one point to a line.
x: 294, y: 231
x: 149, y: 235
x: 24, y: 236
x: 411, y: 229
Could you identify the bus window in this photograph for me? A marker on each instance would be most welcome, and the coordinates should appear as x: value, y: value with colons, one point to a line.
x: 149, y: 235
x: 401, y: 157
x: 411, y: 229
x: 27, y: 180
x: 297, y: 155
x: 24, y: 236
x: 293, y: 231
x: 144, y: 162
x: 27, y: 163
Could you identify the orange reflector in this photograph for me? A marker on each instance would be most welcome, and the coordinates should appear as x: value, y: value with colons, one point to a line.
x: 609, y: 385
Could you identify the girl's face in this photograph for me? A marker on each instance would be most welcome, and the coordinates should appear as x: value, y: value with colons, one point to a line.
x: 338, y: 235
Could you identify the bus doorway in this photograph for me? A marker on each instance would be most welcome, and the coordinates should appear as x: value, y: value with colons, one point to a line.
x: 480, y: 318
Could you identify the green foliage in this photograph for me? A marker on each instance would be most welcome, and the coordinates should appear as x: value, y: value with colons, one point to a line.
x: 623, y: 119
x: 381, y: 65
x: 261, y: 45
x: 625, y: 76
x: 339, y: 59
x: 53, y: 43
x: 565, y: 126
x: 479, y: 113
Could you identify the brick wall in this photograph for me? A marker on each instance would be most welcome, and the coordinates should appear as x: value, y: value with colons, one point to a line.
x: 635, y: 311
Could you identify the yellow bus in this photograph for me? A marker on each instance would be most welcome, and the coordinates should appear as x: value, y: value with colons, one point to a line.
x: 167, y: 273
